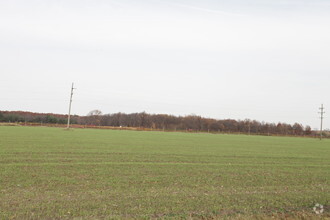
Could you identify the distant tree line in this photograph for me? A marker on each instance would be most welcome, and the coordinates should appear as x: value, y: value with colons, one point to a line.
x: 191, y: 123
x: 31, y: 117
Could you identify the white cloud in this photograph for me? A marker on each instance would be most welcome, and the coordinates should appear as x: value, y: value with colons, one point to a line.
x: 145, y: 54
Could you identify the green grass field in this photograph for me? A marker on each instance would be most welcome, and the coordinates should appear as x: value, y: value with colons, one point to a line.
x: 48, y: 173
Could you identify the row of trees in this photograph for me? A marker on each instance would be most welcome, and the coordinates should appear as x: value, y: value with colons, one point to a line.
x: 31, y: 117
x: 192, y: 123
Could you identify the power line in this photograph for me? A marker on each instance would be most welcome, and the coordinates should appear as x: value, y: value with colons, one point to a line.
x: 68, y: 126
x: 322, y: 113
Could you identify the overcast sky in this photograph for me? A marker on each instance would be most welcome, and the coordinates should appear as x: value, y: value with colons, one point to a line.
x: 258, y: 59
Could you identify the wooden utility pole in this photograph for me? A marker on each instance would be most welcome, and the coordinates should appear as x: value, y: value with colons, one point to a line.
x: 68, y: 126
x: 322, y: 113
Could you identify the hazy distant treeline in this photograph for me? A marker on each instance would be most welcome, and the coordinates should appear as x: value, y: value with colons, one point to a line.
x: 20, y: 116
x: 162, y: 122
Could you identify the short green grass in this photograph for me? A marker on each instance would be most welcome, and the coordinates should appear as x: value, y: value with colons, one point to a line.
x: 51, y: 173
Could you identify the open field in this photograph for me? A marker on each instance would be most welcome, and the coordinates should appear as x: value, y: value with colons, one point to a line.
x: 48, y: 173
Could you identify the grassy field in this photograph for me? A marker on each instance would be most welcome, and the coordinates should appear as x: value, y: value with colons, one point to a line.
x: 48, y: 173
